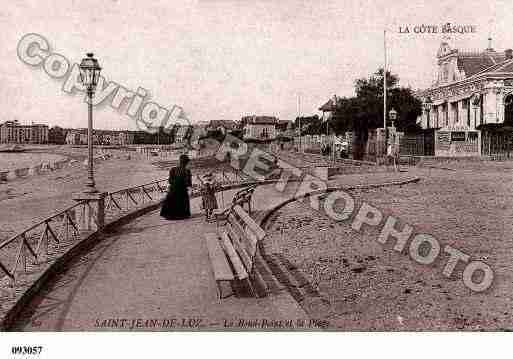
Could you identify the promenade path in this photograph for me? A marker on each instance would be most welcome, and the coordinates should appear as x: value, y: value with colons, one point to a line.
x: 156, y: 275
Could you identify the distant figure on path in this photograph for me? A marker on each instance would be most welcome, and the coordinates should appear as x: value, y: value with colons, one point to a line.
x: 177, y: 204
x: 392, y: 155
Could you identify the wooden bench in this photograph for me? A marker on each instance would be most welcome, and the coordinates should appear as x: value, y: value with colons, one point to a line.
x: 241, y: 198
x: 232, y: 251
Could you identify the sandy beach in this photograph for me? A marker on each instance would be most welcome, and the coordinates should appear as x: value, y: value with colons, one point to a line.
x: 28, y: 200
x: 11, y: 161
x: 369, y: 286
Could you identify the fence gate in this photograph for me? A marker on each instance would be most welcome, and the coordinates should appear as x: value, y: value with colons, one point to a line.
x: 497, y: 144
x: 418, y: 144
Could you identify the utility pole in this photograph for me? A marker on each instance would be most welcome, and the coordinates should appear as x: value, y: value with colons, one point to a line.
x: 385, y: 91
x: 328, y: 130
x: 299, y: 119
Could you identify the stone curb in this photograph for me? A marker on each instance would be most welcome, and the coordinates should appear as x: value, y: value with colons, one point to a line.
x: 269, y: 212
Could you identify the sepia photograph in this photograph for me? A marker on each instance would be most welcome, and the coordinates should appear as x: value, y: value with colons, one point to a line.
x: 328, y: 169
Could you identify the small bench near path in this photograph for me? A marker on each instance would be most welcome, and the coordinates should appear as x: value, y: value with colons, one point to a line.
x: 232, y: 251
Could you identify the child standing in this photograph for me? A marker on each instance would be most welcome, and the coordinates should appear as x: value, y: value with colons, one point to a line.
x: 209, y: 200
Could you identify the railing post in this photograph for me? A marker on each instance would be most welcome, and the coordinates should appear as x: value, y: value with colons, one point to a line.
x: 96, y: 201
x: 100, y: 211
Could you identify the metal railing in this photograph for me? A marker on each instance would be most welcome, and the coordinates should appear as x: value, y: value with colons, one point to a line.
x: 127, y: 199
x: 24, y: 252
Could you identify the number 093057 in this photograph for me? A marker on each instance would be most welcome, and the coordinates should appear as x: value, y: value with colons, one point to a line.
x: 26, y: 350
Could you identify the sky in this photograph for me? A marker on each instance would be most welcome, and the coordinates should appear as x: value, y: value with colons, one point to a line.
x: 223, y: 59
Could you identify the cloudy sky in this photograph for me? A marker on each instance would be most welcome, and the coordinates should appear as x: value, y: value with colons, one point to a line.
x: 222, y: 59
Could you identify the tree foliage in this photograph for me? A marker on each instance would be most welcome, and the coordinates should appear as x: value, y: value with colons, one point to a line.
x: 310, y: 125
x: 365, y: 110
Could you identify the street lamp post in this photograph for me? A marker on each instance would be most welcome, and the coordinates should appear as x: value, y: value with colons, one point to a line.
x: 89, y: 75
x: 392, y: 115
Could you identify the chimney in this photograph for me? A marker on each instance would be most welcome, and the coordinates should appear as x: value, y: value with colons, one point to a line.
x: 509, y: 54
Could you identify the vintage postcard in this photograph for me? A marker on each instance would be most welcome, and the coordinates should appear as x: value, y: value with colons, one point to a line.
x: 248, y: 166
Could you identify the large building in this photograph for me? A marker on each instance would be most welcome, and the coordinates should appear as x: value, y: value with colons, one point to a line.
x: 472, y: 93
x: 14, y: 132
x: 224, y: 126
x: 259, y: 127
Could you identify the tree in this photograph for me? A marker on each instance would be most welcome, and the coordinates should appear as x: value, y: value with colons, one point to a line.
x: 365, y: 111
x: 310, y: 125
x: 56, y: 135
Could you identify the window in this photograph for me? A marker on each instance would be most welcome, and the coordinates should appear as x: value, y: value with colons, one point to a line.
x: 481, y: 109
x: 445, y: 70
x: 466, y: 109
x: 445, y: 110
x: 455, y: 112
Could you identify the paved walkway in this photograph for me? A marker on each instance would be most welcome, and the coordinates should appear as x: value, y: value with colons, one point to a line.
x: 154, y: 274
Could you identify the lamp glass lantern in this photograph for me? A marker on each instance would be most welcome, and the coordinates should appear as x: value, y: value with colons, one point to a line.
x: 89, y: 72
x: 392, y: 114
x: 427, y: 104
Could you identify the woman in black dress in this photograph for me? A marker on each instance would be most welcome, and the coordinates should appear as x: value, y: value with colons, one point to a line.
x: 177, y: 205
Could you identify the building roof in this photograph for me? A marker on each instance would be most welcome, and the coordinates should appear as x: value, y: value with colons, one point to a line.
x: 228, y: 124
x: 260, y: 120
x: 15, y: 123
x: 474, y: 65
x: 327, y: 107
x: 475, y: 62
x: 331, y: 105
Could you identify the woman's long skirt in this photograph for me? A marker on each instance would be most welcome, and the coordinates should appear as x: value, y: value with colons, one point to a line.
x: 176, y: 205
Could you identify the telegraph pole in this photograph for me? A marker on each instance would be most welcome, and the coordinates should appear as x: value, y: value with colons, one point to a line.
x: 299, y: 119
x: 385, y: 91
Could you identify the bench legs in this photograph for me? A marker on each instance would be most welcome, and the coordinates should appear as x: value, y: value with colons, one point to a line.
x: 251, y: 289
x: 246, y: 281
x: 220, y: 291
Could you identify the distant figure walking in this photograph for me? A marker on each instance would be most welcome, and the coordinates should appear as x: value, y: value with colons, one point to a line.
x: 177, y: 204
x: 392, y: 156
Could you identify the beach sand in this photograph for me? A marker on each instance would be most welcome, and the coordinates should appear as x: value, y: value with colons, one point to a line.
x: 10, y: 161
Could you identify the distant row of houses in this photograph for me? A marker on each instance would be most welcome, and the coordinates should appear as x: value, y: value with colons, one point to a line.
x: 252, y: 127
x: 14, y: 132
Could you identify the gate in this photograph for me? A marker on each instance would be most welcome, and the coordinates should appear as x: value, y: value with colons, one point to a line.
x: 497, y: 144
x: 418, y: 144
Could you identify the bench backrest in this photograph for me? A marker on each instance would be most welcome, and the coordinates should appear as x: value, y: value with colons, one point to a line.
x: 243, y: 195
x: 244, y: 233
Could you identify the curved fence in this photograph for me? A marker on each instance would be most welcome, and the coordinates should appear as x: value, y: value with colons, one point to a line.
x: 127, y: 199
x: 22, y: 254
